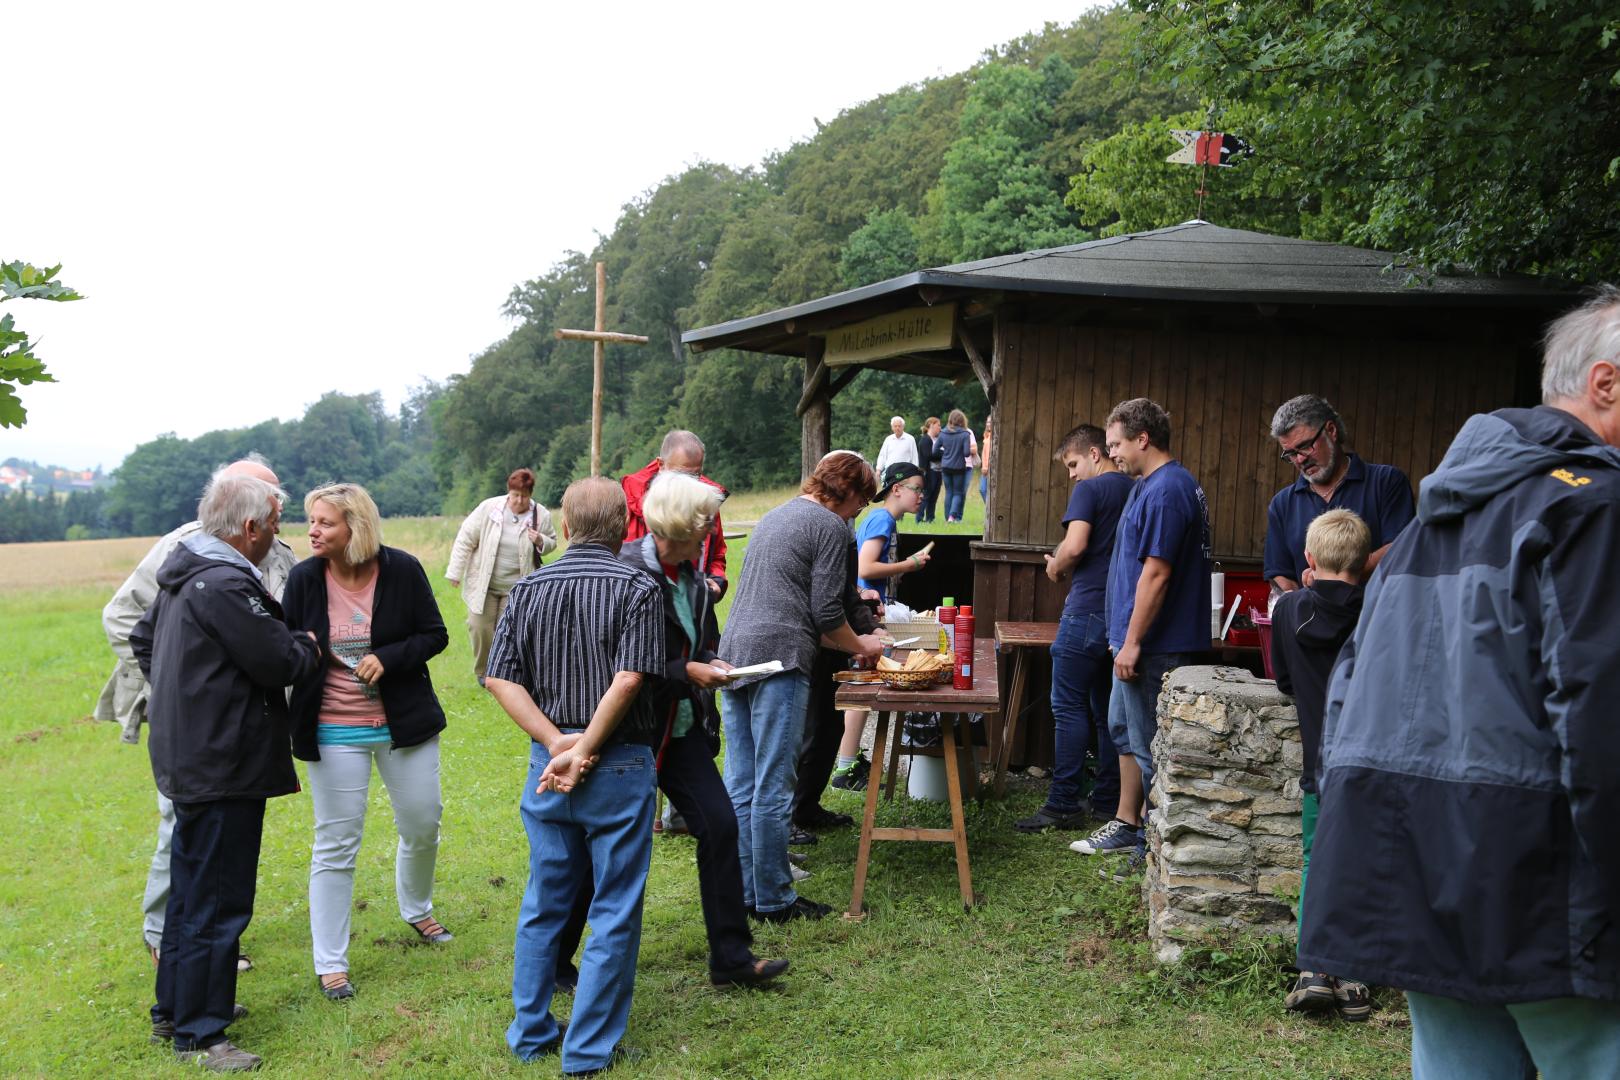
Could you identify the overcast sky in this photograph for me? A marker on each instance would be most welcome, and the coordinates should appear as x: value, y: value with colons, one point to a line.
x: 264, y: 202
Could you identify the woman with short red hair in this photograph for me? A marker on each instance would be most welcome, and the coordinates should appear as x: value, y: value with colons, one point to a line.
x: 789, y: 602
x: 501, y: 541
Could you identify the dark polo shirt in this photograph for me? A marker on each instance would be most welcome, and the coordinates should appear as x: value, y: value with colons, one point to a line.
x: 1379, y: 494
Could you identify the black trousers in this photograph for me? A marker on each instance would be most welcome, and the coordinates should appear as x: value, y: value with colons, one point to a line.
x: 688, y: 776
x: 932, y: 479
x: 213, y: 872
x: 823, y: 731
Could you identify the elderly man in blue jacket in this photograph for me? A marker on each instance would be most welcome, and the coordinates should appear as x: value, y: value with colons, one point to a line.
x: 1468, y: 850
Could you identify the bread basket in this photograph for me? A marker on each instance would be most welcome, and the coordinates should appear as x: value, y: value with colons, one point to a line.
x: 910, y: 680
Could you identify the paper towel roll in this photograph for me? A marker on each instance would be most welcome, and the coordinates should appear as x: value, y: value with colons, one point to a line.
x: 1217, y: 603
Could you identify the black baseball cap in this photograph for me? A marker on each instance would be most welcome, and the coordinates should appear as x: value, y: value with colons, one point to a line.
x: 900, y: 470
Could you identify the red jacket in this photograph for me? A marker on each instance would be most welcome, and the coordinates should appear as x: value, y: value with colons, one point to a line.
x: 713, y: 559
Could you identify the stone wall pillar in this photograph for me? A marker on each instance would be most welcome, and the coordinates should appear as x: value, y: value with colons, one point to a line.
x: 1224, y: 834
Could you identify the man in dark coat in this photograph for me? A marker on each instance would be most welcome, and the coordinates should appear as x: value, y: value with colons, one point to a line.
x: 1467, y: 850
x: 218, y: 657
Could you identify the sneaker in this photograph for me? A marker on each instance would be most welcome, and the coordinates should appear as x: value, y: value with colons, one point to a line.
x: 853, y: 778
x: 819, y: 817
x: 163, y: 1030
x: 1312, y: 993
x: 1114, y: 838
x: 221, y: 1057
x: 800, y: 837
x: 622, y: 1055
x: 1352, y: 1000
x: 798, y: 858
x: 1045, y: 818
x: 799, y: 872
x: 1130, y: 871
x: 802, y: 908
x: 676, y: 826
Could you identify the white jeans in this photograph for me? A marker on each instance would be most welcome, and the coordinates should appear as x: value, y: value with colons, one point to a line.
x: 339, y: 784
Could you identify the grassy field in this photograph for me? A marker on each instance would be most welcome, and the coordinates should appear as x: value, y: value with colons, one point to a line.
x: 1048, y: 977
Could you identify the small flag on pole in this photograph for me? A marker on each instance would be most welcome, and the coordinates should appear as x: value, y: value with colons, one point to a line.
x: 1209, y: 148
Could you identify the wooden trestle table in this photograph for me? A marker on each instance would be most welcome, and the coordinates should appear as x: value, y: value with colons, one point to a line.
x: 961, y: 771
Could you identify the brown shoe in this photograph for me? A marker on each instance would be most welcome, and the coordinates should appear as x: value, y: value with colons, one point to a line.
x: 223, y: 1056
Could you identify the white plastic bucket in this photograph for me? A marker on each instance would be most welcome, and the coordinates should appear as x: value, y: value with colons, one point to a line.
x: 925, y: 779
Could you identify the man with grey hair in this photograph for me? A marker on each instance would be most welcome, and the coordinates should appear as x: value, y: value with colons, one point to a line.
x: 1470, y: 765
x: 123, y: 699
x: 1314, y: 439
x: 681, y: 452
x: 898, y: 446
x: 218, y: 658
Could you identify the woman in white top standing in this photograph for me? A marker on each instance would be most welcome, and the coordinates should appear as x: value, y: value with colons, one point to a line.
x: 897, y: 447
x: 501, y: 541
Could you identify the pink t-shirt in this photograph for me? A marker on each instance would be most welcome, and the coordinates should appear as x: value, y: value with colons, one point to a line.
x: 346, y: 700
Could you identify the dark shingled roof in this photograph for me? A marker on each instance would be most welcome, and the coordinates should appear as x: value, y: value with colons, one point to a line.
x: 1193, y: 261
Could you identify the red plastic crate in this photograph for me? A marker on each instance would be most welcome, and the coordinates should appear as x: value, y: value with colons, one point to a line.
x: 1256, y: 593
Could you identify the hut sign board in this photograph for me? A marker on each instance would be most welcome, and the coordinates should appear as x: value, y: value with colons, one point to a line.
x: 917, y: 329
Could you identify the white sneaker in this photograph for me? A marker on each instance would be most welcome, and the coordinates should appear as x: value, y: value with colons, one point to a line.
x: 799, y: 872
x: 1114, y: 838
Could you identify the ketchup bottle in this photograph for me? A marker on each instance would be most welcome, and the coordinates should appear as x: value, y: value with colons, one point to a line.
x: 962, y: 673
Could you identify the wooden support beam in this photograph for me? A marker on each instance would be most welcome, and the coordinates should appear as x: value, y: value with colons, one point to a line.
x: 607, y: 336
x: 843, y: 379
x: 813, y: 383
x: 817, y: 416
x: 980, y: 368
x: 599, y: 349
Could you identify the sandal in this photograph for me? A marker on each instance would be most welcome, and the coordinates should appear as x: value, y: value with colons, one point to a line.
x: 338, y: 991
x: 430, y: 931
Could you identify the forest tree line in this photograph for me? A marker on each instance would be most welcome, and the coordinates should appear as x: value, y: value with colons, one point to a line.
x: 1474, y: 141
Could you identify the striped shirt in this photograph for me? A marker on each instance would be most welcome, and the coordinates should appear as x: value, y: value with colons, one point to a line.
x: 570, y: 626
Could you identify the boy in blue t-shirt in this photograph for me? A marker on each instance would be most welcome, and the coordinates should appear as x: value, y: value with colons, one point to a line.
x: 1158, y: 607
x: 877, y: 540
x: 1080, y: 660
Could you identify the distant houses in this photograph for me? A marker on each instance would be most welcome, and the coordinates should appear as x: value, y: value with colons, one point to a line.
x: 20, y: 476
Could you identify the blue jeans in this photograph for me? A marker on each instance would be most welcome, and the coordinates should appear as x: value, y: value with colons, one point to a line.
x: 764, y: 724
x: 1133, y: 710
x: 1565, y: 1038
x: 603, y: 828
x: 1080, y: 684
x: 956, y: 481
x: 984, y: 486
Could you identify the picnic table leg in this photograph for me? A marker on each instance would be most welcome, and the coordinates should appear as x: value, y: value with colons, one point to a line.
x: 1009, y: 725
x: 953, y: 784
x: 864, y: 851
x: 894, y: 756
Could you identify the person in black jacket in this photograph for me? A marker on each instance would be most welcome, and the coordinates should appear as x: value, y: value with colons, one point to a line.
x: 679, y: 511
x: 217, y: 657
x: 1308, y: 628
x: 372, y: 611
x: 928, y: 461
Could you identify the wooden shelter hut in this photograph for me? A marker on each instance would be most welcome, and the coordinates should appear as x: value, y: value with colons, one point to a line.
x: 1218, y: 325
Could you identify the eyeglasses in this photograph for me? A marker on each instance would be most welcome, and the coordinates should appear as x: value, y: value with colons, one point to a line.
x: 1296, y: 452
x: 916, y: 488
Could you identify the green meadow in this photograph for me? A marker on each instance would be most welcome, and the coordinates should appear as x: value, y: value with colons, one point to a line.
x: 1049, y: 976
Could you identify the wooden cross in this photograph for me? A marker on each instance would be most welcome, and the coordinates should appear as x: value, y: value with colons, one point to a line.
x: 599, y: 337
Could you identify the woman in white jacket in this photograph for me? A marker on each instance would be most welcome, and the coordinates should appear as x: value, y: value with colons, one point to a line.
x: 501, y: 540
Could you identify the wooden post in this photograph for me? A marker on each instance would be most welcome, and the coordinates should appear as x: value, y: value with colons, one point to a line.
x: 599, y: 351
x: 817, y: 415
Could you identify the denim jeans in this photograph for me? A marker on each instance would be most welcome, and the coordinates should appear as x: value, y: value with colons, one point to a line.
x: 1565, y: 1038
x: 764, y: 723
x: 604, y: 828
x: 956, y: 481
x: 1080, y: 683
x: 213, y: 874
x: 1133, y: 710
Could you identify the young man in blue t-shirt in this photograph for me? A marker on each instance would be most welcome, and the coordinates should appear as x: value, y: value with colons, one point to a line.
x: 1080, y: 661
x: 877, y: 542
x: 1158, y: 607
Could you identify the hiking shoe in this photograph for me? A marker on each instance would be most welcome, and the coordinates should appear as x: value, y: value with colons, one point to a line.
x: 163, y: 1030
x: 1114, y: 838
x: 1312, y: 993
x: 1130, y: 871
x: 801, y: 908
x: 855, y: 776
x: 221, y: 1057
x: 1352, y: 1000
x: 1046, y: 818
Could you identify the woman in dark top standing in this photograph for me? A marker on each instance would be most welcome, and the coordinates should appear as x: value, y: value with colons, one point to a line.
x: 373, y: 613
x: 953, y: 445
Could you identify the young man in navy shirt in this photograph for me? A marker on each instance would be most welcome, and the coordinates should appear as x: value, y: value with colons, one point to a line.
x: 1158, y: 607
x: 1080, y: 661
